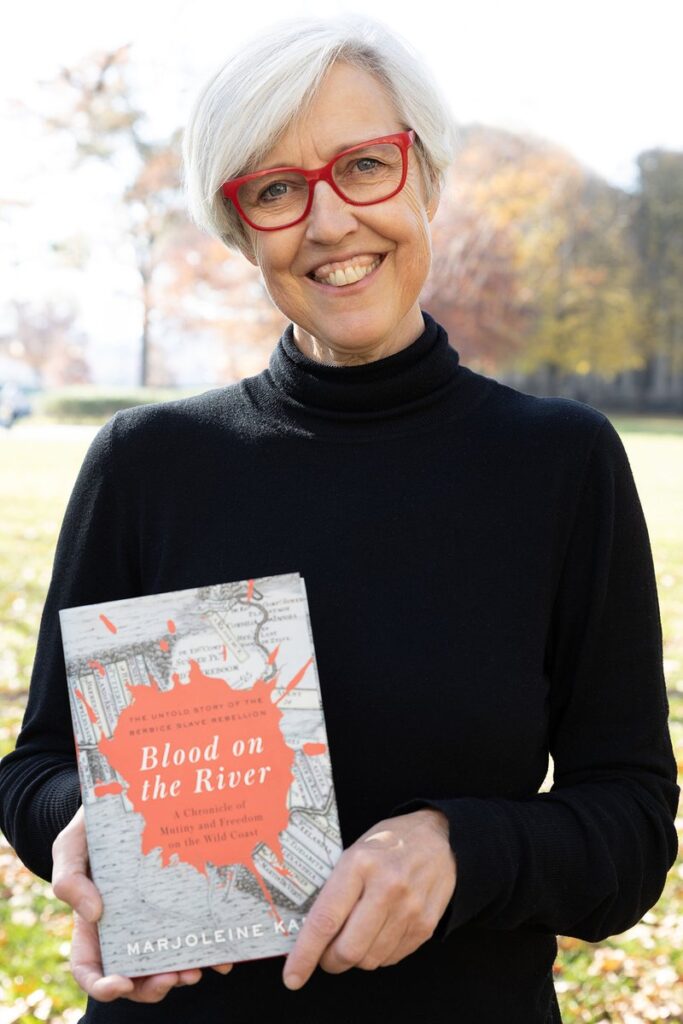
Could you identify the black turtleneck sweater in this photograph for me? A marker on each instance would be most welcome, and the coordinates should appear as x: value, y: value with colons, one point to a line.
x: 482, y: 595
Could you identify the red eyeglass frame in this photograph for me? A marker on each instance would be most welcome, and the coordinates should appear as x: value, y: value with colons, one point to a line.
x: 404, y: 140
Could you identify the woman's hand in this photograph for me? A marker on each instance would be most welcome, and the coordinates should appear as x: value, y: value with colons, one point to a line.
x: 71, y: 883
x: 384, y: 898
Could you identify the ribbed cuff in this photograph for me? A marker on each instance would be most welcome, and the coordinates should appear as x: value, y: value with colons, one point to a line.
x: 52, y: 805
x: 480, y: 837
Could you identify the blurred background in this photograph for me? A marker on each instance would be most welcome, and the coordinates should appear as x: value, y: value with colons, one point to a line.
x: 558, y: 268
x: 557, y: 248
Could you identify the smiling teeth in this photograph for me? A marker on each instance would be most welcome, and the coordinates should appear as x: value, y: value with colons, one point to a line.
x: 349, y: 275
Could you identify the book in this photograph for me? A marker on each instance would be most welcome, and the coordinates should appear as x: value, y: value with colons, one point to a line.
x: 205, y: 773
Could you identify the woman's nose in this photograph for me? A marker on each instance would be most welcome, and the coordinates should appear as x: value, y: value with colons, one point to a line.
x: 330, y: 216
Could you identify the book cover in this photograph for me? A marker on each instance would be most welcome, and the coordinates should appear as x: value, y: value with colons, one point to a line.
x: 205, y: 773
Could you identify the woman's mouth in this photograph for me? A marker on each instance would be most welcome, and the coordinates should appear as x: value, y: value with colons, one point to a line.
x: 352, y: 273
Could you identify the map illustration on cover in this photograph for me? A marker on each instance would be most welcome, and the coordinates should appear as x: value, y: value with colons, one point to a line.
x: 205, y: 773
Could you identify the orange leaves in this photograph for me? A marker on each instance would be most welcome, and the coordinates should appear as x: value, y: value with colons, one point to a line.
x: 607, y: 960
x: 532, y: 261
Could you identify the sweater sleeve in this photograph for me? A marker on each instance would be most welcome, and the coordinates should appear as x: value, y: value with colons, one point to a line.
x: 39, y: 787
x: 590, y: 857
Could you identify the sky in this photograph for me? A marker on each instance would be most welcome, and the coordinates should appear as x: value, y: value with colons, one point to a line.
x: 601, y: 78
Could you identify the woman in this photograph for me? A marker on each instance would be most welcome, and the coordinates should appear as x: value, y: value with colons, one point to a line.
x: 478, y: 568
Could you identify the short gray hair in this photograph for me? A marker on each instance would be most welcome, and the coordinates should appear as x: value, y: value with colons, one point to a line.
x: 250, y: 102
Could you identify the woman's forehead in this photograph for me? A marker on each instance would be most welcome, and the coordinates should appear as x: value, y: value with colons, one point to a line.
x: 351, y: 106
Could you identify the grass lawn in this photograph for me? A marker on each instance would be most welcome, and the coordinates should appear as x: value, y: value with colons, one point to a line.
x: 634, y: 977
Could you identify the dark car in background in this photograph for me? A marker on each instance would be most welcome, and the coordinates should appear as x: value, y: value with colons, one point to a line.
x: 14, y: 403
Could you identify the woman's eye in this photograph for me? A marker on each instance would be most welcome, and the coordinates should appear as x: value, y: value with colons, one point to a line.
x: 276, y: 190
x: 367, y: 163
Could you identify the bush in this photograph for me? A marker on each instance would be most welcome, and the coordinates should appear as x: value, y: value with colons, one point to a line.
x: 80, y: 405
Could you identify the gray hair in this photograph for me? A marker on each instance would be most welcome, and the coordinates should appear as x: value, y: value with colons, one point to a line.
x: 250, y: 102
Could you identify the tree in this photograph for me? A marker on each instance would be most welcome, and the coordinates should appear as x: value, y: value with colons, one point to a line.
x: 586, y: 317
x: 46, y: 339
x: 156, y: 210
x: 205, y: 291
x: 474, y: 288
x: 658, y: 230
x: 96, y: 108
x: 554, y: 266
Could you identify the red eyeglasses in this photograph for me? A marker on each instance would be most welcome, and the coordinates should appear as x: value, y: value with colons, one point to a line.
x: 362, y: 175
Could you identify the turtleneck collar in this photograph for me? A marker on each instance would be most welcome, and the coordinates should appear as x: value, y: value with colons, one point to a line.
x: 416, y: 374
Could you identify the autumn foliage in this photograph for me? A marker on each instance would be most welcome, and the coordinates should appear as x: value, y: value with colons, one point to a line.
x: 542, y: 271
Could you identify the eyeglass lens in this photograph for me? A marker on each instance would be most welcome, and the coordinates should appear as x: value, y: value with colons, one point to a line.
x: 365, y: 176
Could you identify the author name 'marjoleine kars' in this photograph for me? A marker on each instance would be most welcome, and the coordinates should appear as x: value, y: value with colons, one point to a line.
x: 210, y: 938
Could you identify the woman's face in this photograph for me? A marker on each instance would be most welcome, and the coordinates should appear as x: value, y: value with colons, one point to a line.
x: 378, y: 315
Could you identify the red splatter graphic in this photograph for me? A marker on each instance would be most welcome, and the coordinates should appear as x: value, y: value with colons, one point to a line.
x: 250, y: 590
x: 311, y: 749
x: 163, y: 644
x: 273, y: 655
x: 152, y: 680
x: 225, y: 653
x: 242, y: 754
x: 97, y: 666
x: 175, y: 679
x: 105, y: 788
x: 91, y: 714
x: 295, y: 681
x: 170, y: 625
x: 110, y: 625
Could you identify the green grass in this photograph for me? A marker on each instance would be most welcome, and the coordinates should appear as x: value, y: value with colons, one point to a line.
x: 630, y: 978
x: 648, y: 424
x: 35, y: 482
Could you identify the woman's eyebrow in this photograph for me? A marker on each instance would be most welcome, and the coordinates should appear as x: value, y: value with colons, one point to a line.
x: 340, y: 149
